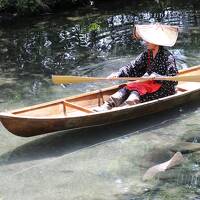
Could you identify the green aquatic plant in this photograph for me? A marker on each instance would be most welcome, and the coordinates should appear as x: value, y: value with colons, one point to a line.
x: 94, y: 27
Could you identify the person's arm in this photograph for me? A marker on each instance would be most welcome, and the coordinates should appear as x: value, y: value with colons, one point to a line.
x: 170, y: 71
x: 135, y: 68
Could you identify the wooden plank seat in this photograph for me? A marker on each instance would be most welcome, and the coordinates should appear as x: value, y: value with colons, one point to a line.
x: 72, y: 105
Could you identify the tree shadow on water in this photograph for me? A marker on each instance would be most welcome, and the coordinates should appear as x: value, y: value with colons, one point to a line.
x: 58, y: 144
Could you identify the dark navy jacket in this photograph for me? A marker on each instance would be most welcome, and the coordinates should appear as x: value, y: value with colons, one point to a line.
x: 163, y: 64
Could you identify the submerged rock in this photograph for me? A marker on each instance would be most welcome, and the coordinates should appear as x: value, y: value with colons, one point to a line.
x: 177, y: 159
x: 185, y: 147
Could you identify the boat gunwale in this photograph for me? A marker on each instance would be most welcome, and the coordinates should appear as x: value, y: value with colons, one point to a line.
x: 117, y: 109
x: 58, y: 101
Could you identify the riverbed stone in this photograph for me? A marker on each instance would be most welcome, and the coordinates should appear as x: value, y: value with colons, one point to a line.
x: 185, y: 147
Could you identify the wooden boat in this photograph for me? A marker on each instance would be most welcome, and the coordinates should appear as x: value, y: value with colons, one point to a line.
x: 77, y: 111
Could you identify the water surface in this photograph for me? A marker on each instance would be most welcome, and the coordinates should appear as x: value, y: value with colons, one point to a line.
x: 101, y: 163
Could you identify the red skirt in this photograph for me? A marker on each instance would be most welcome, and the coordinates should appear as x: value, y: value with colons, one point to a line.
x: 143, y: 88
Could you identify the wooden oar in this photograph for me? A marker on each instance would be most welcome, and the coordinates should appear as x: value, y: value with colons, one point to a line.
x: 58, y: 79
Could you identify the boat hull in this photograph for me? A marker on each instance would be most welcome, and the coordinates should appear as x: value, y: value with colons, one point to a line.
x: 32, y: 126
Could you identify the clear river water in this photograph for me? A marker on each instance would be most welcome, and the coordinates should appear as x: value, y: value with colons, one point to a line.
x: 104, y: 163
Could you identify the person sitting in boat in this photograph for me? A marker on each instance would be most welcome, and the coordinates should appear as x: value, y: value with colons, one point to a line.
x: 154, y: 61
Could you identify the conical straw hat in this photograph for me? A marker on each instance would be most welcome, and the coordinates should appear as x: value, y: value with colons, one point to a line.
x: 159, y: 34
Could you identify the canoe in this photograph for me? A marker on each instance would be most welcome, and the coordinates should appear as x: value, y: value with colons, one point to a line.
x: 77, y: 111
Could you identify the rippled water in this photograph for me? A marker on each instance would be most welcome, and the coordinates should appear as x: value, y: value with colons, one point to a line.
x: 94, y: 44
x: 102, y: 163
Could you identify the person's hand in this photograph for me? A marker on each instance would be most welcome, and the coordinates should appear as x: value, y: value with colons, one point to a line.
x: 152, y: 75
x: 145, y: 75
x: 113, y: 75
x: 155, y: 75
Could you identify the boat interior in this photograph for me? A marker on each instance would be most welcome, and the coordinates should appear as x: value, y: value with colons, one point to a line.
x: 83, y: 104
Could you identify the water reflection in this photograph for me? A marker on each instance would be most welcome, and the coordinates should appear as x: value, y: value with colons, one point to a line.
x: 59, y: 45
x: 65, y: 45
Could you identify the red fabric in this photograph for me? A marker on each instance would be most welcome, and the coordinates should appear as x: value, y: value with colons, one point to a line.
x: 144, y: 87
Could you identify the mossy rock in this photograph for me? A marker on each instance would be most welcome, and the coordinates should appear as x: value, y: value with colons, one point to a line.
x: 156, y: 156
x: 185, y: 147
x: 195, y: 157
x: 192, y: 135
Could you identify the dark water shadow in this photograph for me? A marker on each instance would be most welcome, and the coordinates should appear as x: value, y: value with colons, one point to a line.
x: 58, y: 144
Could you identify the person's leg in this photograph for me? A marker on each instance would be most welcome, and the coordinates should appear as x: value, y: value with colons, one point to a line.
x: 114, y: 100
x: 119, y: 97
x: 134, y: 98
